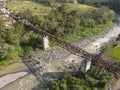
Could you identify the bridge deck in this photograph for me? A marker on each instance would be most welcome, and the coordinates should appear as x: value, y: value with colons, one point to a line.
x: 79, y: 52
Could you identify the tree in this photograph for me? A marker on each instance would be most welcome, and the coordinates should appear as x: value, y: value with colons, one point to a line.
x: 76, y: 87
x: 2, y: 22
x: 37, y: 21
x: 114, y: 4
x: 25, y: 14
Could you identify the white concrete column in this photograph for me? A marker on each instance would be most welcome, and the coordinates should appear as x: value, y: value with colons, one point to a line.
x: 45, y: 41
x: 85, y: 66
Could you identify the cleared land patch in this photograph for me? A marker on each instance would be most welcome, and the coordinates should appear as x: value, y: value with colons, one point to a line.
x: 81, y: 7
x: 115, y: 53
x: 35, y: 8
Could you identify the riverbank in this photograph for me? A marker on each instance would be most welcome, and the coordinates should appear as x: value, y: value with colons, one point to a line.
x: 115, y: 84
x: 9, y: 78
x: 24, y: 78
x: 13, y: 68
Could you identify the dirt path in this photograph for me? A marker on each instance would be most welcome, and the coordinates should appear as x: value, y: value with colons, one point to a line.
x: 115, y: 85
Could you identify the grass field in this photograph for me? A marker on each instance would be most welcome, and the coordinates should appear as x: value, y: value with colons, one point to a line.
x: 82, y: 7
x: 115, y: 53
x: 37, y: 9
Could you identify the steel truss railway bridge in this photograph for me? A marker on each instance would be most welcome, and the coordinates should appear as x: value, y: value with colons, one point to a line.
x: 88, y: 58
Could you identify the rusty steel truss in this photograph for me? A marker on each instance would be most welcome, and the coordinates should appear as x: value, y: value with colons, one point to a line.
x: 79, y: 52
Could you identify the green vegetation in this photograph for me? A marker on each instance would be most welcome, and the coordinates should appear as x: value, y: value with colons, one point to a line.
x: 87, y: 32
x: 115, y: 53
x: 96, y: 79
x: 113, y: 49
x: 78, y: 21
x: 35, y: 8
x: 69, y: 21
x: 95, y: 2
x: 16, y: 43
x: 2, y: 21
x: 81, y: 7
x: 114, y: 4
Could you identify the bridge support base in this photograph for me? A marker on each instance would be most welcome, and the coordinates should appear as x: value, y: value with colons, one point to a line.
x: 85, y: 66
x: 45, y: 41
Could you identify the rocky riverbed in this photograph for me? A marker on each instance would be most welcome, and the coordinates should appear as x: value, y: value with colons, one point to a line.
x: 44, y: 66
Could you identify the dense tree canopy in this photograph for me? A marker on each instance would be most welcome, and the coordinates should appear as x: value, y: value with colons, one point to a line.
x: 69, y: 20
x: 2, y: 21
x: 95, y: 79
x: 9, y: 43
x: 17, y: 42
x: 114, y: 4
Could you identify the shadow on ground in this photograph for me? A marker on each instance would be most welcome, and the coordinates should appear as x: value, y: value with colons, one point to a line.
x: 44, y: 78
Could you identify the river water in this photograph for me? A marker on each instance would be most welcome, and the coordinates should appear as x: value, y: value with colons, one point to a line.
x: 25, y: 83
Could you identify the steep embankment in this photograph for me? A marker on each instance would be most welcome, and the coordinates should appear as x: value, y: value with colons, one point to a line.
x: 72, y: 22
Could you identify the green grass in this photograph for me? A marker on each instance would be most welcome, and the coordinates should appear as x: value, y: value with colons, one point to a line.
x: 4, y: 63
x: 81, y: 7
x: 87, y: 32
x: 37, y: 9
x: 115, y: 53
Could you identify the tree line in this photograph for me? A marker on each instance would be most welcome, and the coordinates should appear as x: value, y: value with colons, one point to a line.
x: 97, y: 78
x: 113, y: 4
x: 63, y: 20
x: 16, y: 42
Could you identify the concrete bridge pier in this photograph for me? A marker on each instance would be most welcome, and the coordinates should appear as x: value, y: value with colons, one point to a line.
x: 85, y: 66
x: 45, y: 42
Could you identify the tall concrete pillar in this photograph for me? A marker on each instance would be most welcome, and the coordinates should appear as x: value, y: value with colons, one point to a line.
x: 85, y: 66
x: 45, y: 41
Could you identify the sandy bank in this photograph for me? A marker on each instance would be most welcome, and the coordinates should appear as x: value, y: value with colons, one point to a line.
x: 5, y: 80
